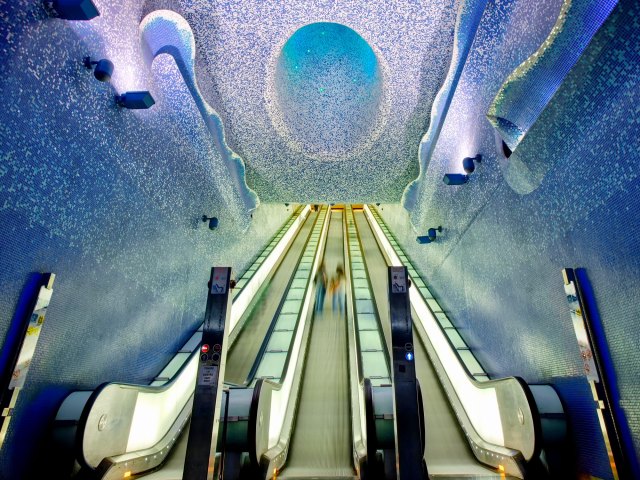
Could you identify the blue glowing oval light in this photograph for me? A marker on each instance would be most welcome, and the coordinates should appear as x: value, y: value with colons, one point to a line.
x: 408, y: 356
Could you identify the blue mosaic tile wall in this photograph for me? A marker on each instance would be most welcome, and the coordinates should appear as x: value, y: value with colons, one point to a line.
x: 109, y: 200
x: 497, y: 266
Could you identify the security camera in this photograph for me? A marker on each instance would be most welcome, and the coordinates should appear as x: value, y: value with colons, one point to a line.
x: 213, y: 222
x: 455, y: 178
x: 73, y: 9
x: 430, y: 237
x: 135, y: 100
x: 103, y: 68
x: 469, y: 163
x: 431, y: 233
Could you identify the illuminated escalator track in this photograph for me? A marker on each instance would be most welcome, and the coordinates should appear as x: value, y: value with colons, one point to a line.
x: 321, y: 441
x: 447, y: 451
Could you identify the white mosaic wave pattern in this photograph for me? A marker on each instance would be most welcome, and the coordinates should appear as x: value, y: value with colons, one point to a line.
x: 238, y: 41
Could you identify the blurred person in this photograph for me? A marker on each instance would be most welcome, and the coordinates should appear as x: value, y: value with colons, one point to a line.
x: 337, y: 289
x: 321, y: 287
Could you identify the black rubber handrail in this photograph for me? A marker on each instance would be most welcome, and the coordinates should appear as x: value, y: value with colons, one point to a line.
x: 253, y: 423
x: 372, y: 440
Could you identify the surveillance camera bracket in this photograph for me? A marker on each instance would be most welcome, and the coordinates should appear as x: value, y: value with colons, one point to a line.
x: 48, y: 6
x: 87, y: 62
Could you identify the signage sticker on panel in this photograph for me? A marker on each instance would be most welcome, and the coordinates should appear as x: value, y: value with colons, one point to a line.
x: 208, y: 375
x: 219, y: 281
x: 398, y: 280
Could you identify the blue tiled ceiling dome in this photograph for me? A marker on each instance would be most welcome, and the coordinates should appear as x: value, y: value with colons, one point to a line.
x: 328, y: 84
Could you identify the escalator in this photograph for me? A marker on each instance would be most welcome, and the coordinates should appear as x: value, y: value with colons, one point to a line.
x: 302, y: 373
x: 475, y: 426
x: 447, y: 451
x: 246, y: 350
x: 119, y: 403
x: 321, y: 440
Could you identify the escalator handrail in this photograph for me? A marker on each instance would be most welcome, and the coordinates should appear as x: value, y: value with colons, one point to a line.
x: 153, y: 456
x: 512, y: 459
x: 370, y: 423
x: 380, y: 329
x: 254, y: 423
x: 502, y: 383
x: 97, y: 394
x: 351, y: 298
x: 360, y: 432
x: 292, y: 232
x: 297, y: 211
x: 480, y: 384
x: 453, y: 347
x: 100, y: 391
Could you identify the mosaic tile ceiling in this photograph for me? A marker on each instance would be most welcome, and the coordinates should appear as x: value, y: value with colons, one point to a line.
x: 317, y: 96
x: 325, y: 93
x: 308, y: 101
